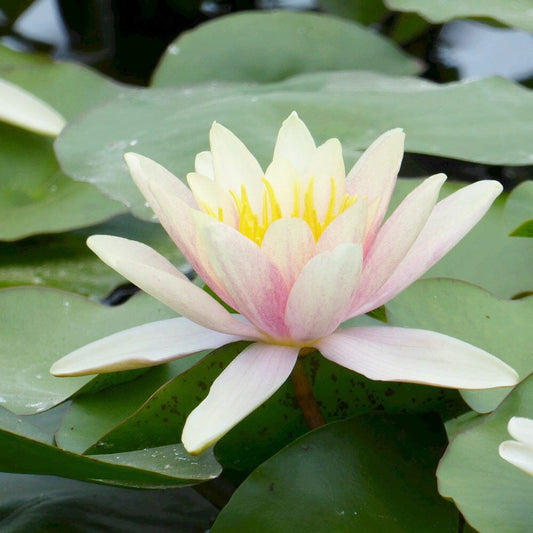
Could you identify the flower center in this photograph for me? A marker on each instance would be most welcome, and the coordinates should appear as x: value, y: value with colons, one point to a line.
x: 302, y: 205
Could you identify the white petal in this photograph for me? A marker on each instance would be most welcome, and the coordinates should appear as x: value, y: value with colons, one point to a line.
x: 295, y: 143
x: 518, y: 454
x: 321, y: 295
x: 234, y: 165
x: 23, y: 109
x: 416, y: 356
x: 282, y: 175
x: 147, y: 345
x: 521, y: 428
x: 152, y: 273
x: 203, y: 164
x: 248, y: 381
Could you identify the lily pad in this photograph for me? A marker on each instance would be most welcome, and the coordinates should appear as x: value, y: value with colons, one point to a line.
x: 518, y: 13
x: 368, y: 473
x: 40, y: 325
x: 277, y: 45
x: 493, y: 495
x: 519, y: 209
x: 171, y: 125
x: 35, y: 196
x: 473, y: 315
x: 64, y: 261
x: 25, y: 449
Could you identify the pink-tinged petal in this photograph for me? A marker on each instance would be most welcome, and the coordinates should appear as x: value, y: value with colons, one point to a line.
x: 156, y: 276
x: 415, y: 356
x: 396, y: 237
x: 347, y: 227
x: 449, y: 222
x: 209, y: 194
x: 147, y: 345
x: 234, y: 165
x: 145, y: 171
x: 176, y: 218
x: 321, y: 295
x: 246, y: 274
x: 294, y: 143
x: 282, y: 175
x: 374, y: 175
x: 289, y: 243
x: 248, y: 381
x: 203, y: 164
x: 519, y: 452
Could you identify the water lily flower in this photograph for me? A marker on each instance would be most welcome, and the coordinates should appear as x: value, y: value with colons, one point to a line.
x: 519, y: 452
x: 296, y: 250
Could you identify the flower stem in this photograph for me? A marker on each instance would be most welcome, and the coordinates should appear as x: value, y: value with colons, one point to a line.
x: 304, y: 396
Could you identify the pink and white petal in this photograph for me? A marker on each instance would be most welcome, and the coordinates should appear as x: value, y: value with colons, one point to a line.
x: 374, y: 174
x: 415, y: 356
x: 145, y: 171
x: 396, y: 237
x: 176, y: 217
x: 147, y: 345
x: 234, y: 165
x: 319, y: 300
x: 282, y: 175
x: 246, y: 274
x: 451, y: 219
x: 203, y: 164
x: 347, y: 227
x: 327, y: 163
x: 518, y: 454
x: 295, y: 143
x: 209, y: 193
x: 247, y: 382
x: 156, y: 276
x: 289, y: 243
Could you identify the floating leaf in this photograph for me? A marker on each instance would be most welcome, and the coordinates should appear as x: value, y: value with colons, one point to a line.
x: 368, y: 473
x: 517, y: 14
x: 40, y: 325
x: 171, y: 125
x: 493, y: 495
x: 274, y: 46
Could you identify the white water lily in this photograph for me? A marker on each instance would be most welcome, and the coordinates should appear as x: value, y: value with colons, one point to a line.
x: 296, y: 250
x: 519, y: 452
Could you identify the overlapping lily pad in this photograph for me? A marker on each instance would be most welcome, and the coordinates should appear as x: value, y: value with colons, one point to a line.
x: 35, y: 196
x: 275, y: 45
x: 367, y: 473
x: 461, y: 120
x: 518, y: 13
x: 25, y: 449
x: 518, y: 214
x: 493, y: 495
x: 65, y: 262
x: 40, y: 325
x: 464, y: 311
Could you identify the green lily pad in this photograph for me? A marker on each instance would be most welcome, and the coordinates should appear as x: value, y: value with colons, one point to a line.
x: 26, y: 449
x: 493, y: 495
x: 161, y: 418
x: 360, y: 10
x: 50, y: 503
x: 517, y: 14
x: 518, y: 214
x: 40, y: 325
x: 368, y: 473
x: 171, y: 125
x: 276, y: 45
x: 64, y: 261
x: 464, y: 311
x: 486, y: 256
x: 35, y: 196
x: 524, y: 230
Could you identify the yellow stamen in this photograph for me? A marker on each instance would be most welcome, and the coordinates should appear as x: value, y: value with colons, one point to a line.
x: 254, y: 225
